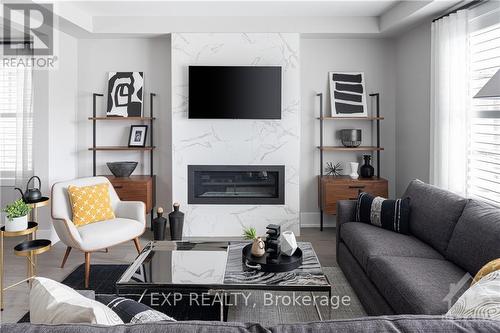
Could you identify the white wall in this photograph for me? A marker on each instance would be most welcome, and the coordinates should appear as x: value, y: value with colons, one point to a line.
x: 54, y: 132
x: 97, y: 57
x: 374, y: 57
x: 413, y: 63
x: 236, y: 141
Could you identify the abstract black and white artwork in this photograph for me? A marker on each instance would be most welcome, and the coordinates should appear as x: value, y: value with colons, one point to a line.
x: 347, y: 94
x: 125, y: 94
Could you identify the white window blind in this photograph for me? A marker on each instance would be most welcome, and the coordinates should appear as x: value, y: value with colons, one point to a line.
x: 484, y: 152
x: 16, y: 123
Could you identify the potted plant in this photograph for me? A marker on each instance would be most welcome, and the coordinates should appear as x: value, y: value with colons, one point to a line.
x: 258, y: 245
x: 17, y: 216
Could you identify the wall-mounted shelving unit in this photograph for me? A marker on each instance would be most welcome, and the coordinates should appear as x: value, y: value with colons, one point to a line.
x: 334, y: 188
x: 141, y: 187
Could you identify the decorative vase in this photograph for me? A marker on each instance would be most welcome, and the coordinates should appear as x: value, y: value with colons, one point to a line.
x: 17, y: 223
x: 159, y: 224
x: 354, y: 170
x: 258, y: 247
x: 176, y: 220
x: 366, y: 170
x: 288, y: 243
x: 350, y: 137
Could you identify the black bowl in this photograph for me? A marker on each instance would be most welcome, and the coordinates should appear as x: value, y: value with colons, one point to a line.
x: 121, y: 169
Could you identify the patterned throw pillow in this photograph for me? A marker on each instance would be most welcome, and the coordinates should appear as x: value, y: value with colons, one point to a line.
x: 482, y: 300
x: 492, y: 266
x: 131, y: 311
x: 90, y: 204
x: 392, y: 215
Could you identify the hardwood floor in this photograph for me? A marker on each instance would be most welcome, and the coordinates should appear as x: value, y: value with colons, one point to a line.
x: 16, y: 300
x: 323, y: 243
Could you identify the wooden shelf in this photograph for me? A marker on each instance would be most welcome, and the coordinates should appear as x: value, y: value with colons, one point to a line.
x: 342, y: 148
x: 351, y: 118
x: 123, y: 118
x: 345, y: 179
x: 109, y: 148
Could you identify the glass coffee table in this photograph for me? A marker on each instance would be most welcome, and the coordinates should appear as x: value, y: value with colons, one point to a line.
x: 215, y: 267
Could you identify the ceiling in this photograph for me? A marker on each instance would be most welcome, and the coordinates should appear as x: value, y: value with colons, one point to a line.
x: 235, y: 8
x: 312, y: 19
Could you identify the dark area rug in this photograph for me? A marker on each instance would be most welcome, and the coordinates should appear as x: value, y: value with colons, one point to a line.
x: 102, y: 281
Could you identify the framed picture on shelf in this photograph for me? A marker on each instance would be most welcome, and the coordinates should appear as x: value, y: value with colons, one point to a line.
x: 137, y: 136
x: 125, y: 94
x: 348, y: 94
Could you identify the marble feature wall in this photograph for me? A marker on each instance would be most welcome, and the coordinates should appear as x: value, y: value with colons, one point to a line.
x: 236, y: 142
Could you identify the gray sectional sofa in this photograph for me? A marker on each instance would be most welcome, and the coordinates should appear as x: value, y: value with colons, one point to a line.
x: 395, y: 324
x: 425, y: 272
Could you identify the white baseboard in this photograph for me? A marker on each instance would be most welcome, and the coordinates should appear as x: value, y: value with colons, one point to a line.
x: 312, y: 219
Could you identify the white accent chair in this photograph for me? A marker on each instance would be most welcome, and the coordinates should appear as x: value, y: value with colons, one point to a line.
x: 129, y: 224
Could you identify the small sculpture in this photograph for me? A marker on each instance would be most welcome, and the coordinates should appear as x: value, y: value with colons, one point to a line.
x: 273, y: 243
x: 333, y: 170
x: 288, y: 243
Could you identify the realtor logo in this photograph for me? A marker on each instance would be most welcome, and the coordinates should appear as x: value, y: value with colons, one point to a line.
x: 31, y: 23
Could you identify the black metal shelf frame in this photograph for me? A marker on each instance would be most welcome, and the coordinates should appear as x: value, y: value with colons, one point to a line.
x: 321, y: 151
x: 151, y: 140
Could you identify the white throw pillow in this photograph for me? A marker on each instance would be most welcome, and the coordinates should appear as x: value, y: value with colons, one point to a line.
x: 482, y: 300
x: 52, y: 302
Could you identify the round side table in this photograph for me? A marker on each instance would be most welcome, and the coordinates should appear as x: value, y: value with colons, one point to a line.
x: 29, y: 248
x: 43, y: 201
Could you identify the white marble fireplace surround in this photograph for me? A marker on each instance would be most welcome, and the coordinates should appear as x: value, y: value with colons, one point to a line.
x: 236, y: 142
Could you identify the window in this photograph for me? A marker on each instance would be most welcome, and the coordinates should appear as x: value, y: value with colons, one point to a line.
x: 16, y: 123
x: 484, y: 152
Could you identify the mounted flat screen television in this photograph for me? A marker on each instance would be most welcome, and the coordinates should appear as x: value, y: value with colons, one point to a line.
x: 235, y: 92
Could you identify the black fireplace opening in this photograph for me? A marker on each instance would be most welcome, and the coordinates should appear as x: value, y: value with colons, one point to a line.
x: 236, y: 184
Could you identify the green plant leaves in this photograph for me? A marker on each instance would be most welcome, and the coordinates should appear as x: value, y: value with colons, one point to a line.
x: 17, y: 209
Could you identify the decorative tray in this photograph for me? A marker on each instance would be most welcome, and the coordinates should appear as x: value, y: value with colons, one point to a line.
x: 285, y: 263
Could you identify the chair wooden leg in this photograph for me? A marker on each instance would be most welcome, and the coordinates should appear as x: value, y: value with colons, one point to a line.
x: 87, y: 269
x: 137, y: 245
x: 66, y: 255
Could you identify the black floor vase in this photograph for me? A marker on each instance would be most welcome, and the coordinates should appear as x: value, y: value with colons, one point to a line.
x: 176, y: 219
x: 159, y: 225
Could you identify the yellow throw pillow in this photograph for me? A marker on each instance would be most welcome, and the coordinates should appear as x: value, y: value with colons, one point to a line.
x: 492, y: 266
x: 90, y: 204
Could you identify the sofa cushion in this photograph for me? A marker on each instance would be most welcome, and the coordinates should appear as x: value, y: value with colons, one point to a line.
x: 482, y: 300
x: 116, y: 230
x: 392, y: 324
x: 476, y: 238
x: 490, y: 267
x: 90, y: 204
x: 366, y: 241
x: 418, y: 285
x: 433, y: 213
x: 131, y: 311
x: 54, y: 303
x: 389, y: 214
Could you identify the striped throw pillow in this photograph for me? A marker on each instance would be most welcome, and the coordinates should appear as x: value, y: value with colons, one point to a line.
x: 392, y: 215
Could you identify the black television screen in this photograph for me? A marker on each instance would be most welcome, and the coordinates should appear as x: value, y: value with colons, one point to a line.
x: 235, y: 92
